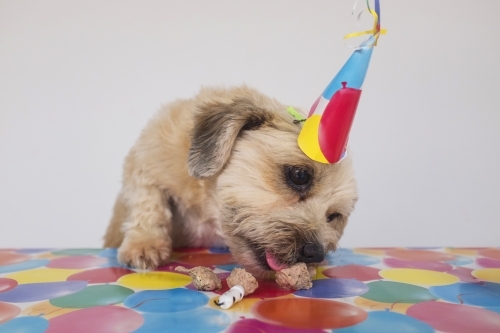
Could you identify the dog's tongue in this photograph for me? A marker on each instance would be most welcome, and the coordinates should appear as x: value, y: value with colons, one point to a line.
x: 273, y: 262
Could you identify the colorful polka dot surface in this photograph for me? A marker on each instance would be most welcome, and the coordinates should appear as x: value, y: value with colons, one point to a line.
x: 365, y: 290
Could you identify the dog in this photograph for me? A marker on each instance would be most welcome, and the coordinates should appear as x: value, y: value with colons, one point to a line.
x: 225, y: 169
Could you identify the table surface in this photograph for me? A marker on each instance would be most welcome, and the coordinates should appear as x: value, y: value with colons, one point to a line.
x: 355, y: 290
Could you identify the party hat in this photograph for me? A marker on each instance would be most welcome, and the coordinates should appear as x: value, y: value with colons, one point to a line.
x: 325, y: 133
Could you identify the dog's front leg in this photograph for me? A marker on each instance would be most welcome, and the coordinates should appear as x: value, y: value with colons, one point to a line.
x: 147, y: 242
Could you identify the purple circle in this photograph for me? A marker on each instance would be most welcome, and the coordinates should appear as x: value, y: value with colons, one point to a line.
x: 334, y: 288
x: 33, y: 292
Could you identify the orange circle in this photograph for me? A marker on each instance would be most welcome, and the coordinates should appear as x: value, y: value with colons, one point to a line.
x: 491, y: 253
x: 420, y: 255
x: 308, y: 313
x: 7, y: 258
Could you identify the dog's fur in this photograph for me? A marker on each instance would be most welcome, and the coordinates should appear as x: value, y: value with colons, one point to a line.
x: 212, y: 171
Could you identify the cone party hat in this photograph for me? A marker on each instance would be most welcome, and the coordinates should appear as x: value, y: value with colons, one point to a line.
x: 325, y: 133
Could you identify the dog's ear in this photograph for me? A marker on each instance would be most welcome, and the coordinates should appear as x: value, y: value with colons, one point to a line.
x: 216, y: 127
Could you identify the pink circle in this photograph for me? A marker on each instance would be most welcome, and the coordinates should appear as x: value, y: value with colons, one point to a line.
x: 8, y: 258
x: 464, y: 274
x: 7, y: 284
x: 99, y: 319
x: 100, y: 275
x: 358, y: 272
x: 8, y: 311
x: 77, y: 262
x: 456, y: 318
x: 488, y: 262
x: 427, y: 265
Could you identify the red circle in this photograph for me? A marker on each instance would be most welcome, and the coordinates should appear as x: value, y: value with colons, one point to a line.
x: 7, y: 284
x: 8, y: 311
x: 308, y: 313
x: 100, y: 275
x: 207, y: 259
x: 358, y: 272
x: 420, y: 255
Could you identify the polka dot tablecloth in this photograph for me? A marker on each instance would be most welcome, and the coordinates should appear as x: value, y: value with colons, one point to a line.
x: 364, y: 290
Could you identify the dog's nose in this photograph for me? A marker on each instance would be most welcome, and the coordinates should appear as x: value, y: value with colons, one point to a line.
x: 311, y: 252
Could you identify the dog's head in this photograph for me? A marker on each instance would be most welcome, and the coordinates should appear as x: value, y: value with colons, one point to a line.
x: 278, y: 207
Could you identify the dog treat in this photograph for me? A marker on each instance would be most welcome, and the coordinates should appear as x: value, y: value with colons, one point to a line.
x: 295, y: 277
x: 241, y: 283
x: 203, y: 277
x: 241, y: 277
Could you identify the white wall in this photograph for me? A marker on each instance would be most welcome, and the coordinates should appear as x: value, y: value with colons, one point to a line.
x: 79, y: 79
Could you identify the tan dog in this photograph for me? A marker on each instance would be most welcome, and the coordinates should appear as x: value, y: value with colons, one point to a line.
x: 224, y: 168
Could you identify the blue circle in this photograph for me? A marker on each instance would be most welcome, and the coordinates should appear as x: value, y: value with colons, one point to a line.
x: 109, y: 253
x: 204, y: 320
x: 344, y: 257
x: 25, y: 325
x: 171, y: 300
x: 228, y: 267
x: 479, y: 294
x: 22, y: 266
x: 34, y: 292
x: 334, y: 288
x: 388, y: 322
x: 219, y: 250
x: 32, y: 251
x: 460, y: 261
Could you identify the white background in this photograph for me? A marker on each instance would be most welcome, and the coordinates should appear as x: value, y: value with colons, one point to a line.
x: 79, y: 79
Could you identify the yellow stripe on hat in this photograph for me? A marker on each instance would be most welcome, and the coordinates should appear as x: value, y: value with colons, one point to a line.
x: 309, y: 139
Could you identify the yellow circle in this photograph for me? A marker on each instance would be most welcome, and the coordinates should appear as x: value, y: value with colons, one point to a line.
x: 243, y: 306
x: 42, y: 275
x: 487, y: 274
x: 374, y: 305
x: 154, y: 280
x: 462, y: 251
x: 418, y: 276
x: 371, y: 252
x: 46, y: 310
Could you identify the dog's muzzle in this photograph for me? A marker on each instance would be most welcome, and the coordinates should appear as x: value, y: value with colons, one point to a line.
x: 310, y: 253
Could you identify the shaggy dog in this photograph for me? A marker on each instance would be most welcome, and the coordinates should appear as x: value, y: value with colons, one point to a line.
x: 223, y: 169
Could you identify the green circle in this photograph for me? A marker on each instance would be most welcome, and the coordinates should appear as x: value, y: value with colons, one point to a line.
x: 93, y: 296
x: 77, y: 252
x: 391, y: 292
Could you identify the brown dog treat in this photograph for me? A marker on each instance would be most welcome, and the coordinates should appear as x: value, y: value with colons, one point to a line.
x: 203, y: 277
x: 294, y: 277
x: 241, y: 277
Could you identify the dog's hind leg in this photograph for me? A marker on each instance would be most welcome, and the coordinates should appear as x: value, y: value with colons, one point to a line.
x: 114, y: 234
x: 147, y: 242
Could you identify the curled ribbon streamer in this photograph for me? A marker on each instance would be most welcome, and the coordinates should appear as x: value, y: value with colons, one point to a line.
x: 375, y: 32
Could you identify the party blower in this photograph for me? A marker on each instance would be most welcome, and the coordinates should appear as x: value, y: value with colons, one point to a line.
x: 325, y: 133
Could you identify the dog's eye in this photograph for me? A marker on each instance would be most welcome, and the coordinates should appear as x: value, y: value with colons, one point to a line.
x: 333, y: 216
x: 298, y: 176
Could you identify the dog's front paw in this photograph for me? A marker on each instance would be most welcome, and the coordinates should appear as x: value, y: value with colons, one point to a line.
x: 144, y: 254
